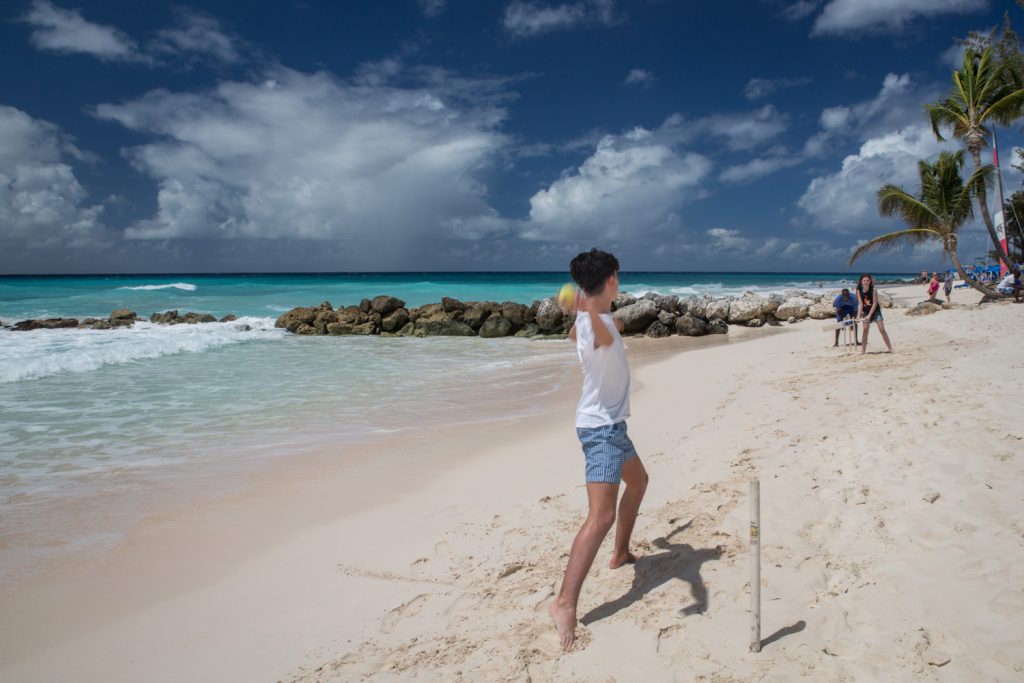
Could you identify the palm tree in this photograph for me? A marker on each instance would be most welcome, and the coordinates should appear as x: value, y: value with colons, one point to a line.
x: 937, y: 213
x: 980, y: 95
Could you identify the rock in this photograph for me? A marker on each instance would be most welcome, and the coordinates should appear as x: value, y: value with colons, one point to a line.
x: 102, y: 325
x: 514, y: 313
x: 290, y: 320
x: 755, y: 322
x: 230, y: 317
x: 406, y: 331
x: 193, y: 318
x: 450, y: 305
x: 924, y: 308
x: 243, y: 328
x: 821, y: 310
x: 425, y: 311
x: 48, y: 324
x: 623, y: 300
x: 365, y: 306
x: 305, y: 330
x: 385, y: 305
x: 936, y: 657
x: 885, y: 300
x: 771, y: 304
x: 717, y: 326
x: 637, y: 317
x: 324, y: 317
x: 352, y: 315
x: 668, y: 303
x: 693, y: 306
x: 339, y: 329
x: 690, y: 326
x: 550, y: 316
x: 529, y: 330
x: 496, y: 325
x: 659, y: 329
x: 717, y: 308
x: 930, y: 497
x: 123, y: 314
x: 122, y: 322
x: 668, y: 319
x: 395, y: 320
x: 791, y: 320
x: 796, y: 307
x: 475, y: 316
x: 326, y: 305
x: 745, y: 308
x: 442, y: 325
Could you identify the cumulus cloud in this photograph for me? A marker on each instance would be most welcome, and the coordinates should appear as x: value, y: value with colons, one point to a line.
x: 640, y: 77
x: 759, y: 88
x: 739, y: 131
x: 66, y: 31
x: 844, y: 17
x: 197, y: 36
x: 800, y: 9
x: 845, y: 201
x: 41, y: 200
x: 527, y: 19
x: 632, y: 184
x: 309, y: 156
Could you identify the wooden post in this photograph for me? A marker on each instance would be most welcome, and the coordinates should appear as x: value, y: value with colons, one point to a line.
x: 755, y: 566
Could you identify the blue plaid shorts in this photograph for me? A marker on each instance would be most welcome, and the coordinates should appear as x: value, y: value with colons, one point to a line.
x: 605, y: 449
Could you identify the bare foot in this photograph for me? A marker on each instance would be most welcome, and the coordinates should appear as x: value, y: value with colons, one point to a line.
x: 565, y: 622
x: 619, y: 560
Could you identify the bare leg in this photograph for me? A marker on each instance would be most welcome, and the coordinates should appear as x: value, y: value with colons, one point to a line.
x: 635, y: 477
x: 600, y: 518
x: 864, y: 337
x: 885, y: 335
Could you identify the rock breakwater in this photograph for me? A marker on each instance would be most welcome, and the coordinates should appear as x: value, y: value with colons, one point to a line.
x: 652, y: 315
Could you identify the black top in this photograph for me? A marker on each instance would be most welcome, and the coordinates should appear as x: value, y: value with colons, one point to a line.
x: 868, y: 297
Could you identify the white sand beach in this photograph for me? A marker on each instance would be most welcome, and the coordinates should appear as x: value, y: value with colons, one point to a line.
x: 892, y: 532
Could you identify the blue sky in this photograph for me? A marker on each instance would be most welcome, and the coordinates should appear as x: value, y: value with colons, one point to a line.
x: 468, y: 135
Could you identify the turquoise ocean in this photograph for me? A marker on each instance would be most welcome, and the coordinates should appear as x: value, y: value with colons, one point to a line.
x: 91, y: 419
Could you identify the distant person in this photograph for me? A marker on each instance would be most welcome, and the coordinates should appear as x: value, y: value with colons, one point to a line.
x: 608, y: 452
x: 947, y: 286
x: 870, y: 311
x: 933, y: 286
x: 924, y: 277
x: 1011, y: 284
x: 846, y: 307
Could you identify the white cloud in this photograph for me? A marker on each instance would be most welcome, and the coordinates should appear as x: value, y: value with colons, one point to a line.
x: 632, y: 184
x: 41, y: 200
x: 845, y: 201
x: 757, y: 168
x: 308, y: 156
x: 65, y: 31
x: 527, y: 19
x: 800, y: 9
x: 641, y: 77
x: 432, y: 8
x: 953, y: 56
x: 740, y: 131
x: 759, y: 88
x: 854, y: 16
x: 197, y: 35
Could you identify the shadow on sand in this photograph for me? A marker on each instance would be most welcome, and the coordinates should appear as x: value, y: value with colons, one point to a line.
x: 679, y: 561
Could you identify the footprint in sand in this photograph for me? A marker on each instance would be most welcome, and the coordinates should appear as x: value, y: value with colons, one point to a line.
x: 410, y: 608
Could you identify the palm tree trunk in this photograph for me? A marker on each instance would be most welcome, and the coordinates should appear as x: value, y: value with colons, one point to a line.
x: 951, y: 250
x: 986, y: 217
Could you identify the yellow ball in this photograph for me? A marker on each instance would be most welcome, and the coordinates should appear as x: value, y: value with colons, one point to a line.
x: 567, y: 297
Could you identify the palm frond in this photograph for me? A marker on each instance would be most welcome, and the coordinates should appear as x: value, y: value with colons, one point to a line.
x: 894, y: 239
x: 895, y: 201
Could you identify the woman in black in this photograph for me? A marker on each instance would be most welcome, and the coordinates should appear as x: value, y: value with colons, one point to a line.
x: 869, y: 310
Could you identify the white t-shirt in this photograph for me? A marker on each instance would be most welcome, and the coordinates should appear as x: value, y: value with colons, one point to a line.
x: 605, y: 397
x: 1007, y: 282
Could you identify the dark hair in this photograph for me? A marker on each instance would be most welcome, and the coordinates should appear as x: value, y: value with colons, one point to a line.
x: 591, y: 270
x: 860, y: 283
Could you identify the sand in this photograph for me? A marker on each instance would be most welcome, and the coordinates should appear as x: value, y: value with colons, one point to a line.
x: 892, y: 534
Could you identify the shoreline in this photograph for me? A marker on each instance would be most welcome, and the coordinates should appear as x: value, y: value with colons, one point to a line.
x: 133, y: 577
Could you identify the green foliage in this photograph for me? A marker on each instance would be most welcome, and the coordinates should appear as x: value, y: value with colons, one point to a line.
x: 938, y: 211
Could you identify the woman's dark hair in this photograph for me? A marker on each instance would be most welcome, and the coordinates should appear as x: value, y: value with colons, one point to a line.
x: 591, y: 270
x: 860, y: 282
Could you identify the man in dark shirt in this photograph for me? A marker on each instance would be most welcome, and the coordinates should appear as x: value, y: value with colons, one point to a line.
x: 846, y: 307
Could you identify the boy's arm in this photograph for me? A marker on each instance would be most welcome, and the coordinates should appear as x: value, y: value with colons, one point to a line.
x: 602, y: 337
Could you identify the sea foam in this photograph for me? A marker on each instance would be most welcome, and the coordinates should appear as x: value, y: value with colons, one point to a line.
x: 45, y: 353
x: 185, y: 286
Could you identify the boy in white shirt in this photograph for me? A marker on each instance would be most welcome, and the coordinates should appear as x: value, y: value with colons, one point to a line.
x: 601, y: 426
